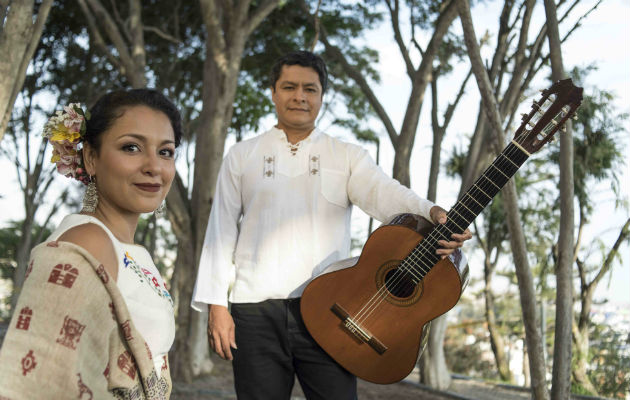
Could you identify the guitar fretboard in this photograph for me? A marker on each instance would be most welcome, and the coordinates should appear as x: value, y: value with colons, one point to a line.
x: 467, y: 208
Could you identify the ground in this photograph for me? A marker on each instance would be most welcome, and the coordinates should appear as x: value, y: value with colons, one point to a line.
x: 219, y: 385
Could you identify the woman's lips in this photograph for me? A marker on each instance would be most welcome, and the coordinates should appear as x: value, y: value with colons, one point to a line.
x: 148, y: 187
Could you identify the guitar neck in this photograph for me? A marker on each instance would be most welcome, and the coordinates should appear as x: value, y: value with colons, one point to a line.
x: 467, y: 208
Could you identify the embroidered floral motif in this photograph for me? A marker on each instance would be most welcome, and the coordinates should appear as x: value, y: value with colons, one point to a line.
x: 127, y: 330
x: 147, y: 276
x: 28, y: 363
x: 100, y: 271
x: 111, y: 309
x: 314, y: 164
x: 269, y: 166
x: 70, y: 333
x: 28, y: 270
x: 148, y: 350
x: 127, y: 364
x: 24, y: 319
x: 64, y: 275
x: 83, y: 389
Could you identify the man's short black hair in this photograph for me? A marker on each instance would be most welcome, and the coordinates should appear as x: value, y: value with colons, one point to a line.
x: 304, y: 59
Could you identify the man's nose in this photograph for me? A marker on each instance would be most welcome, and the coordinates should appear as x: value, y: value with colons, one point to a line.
x: 299, y: 94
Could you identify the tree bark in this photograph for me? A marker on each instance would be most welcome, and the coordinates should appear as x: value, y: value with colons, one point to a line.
x: 228, y: 25
x: 19, y: 37
x: 561, y: 375
x: 131, y: 54
x: 517, y: 240
x: 496, y: 340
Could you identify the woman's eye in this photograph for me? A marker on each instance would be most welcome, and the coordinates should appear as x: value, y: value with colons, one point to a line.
x: 131, y: 148
x: 169, y: 153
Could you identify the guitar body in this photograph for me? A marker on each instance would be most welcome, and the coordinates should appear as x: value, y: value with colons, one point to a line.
x: 374, y: 330
x: 371, y: 318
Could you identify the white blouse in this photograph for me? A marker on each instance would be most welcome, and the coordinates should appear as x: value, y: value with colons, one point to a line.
x: 281, y: 215
x: 141, y: 285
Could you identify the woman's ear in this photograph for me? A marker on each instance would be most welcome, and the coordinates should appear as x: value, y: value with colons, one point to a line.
x: 89, y: 159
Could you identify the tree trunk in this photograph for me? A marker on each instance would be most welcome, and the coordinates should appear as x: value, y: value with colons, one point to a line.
x: 19, y: 37
x: 228, y: 28
x: 561, y: 376
x: 517, y: 240
x: 433, y: 370
x: 496, y: 340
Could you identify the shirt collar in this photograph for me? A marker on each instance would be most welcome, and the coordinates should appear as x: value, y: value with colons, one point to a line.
x: 279, y: 133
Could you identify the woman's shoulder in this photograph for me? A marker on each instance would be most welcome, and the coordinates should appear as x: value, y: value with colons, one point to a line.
x: 96, y: 241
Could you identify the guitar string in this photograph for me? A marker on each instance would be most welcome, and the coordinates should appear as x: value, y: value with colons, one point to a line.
x: 382, y: 294
x: 497, y: 161
x: 400, y: 273
x: 395, y: 281
x: 454, y: 209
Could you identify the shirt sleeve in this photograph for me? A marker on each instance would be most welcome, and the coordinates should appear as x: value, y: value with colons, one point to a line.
x: 377, y: 194
x: 216, y: 267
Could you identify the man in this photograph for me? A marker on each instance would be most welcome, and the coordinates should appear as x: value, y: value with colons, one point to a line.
x: 281, y: 215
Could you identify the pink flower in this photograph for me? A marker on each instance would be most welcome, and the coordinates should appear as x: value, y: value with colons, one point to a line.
x: 73, y: 120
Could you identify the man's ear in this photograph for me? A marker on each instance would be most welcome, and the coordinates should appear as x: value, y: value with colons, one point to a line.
x: 89, y: 158
x: 273, y: 93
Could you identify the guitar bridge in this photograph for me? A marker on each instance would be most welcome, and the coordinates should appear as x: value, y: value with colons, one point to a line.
x: 356, y: 330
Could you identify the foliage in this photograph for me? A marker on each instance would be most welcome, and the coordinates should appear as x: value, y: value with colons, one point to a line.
x: 610, y: 361
x: 598, y: 147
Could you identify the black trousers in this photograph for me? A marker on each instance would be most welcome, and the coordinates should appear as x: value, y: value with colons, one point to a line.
x: 274, y: 346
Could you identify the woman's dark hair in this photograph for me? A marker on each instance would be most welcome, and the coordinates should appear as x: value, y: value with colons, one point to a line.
x: 303, y: 59
x: 112, y: 106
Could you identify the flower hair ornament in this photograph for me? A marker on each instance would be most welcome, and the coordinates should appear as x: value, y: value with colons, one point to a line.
x: 65, y: 131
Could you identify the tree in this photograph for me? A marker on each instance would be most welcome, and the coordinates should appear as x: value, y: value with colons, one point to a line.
x: 598, y: 156
x: 35, y: 176
x: 19, y: 36
x: 527, y: 60
x: 561, y: 380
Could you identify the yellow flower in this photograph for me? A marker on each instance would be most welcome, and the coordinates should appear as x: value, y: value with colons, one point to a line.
x: 62, y: 133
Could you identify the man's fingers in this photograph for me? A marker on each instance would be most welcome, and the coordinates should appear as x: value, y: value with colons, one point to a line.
x: 216, y: 345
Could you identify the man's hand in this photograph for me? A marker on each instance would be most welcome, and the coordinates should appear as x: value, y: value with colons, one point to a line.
x: 221, y: 331
x: 438, y: 215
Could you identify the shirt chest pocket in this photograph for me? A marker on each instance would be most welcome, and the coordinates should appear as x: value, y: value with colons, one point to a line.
x: 334, y: 187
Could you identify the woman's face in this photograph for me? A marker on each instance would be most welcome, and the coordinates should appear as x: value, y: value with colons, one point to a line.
x: 135, y: 166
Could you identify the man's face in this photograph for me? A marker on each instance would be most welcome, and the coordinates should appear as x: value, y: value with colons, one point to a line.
x: 298, y: 98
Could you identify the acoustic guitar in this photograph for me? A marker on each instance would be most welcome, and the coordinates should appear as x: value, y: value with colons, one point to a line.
x: 373, y: 316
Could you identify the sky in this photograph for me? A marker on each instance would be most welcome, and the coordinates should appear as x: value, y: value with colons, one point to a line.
x: 603, y: 39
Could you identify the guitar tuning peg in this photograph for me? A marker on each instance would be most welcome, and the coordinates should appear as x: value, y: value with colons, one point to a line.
x: 523, y: 116
x: 574, y: 117
x: 563, y: 128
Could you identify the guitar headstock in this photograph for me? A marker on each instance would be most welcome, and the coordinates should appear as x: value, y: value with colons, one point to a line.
x: 548, y: 115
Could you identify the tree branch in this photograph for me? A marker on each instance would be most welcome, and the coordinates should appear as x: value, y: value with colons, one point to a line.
x: 260, y: 13
x: 162, y: 34
x: 358, y: 77
x: 98, y: 40
x: 624, y: 233
x: 114, y: 34
x: 394, y: 12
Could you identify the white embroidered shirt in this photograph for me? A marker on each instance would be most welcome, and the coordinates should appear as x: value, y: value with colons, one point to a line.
x: 281, y: 215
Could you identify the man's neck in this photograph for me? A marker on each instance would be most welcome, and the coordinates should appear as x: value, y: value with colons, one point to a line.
x: 295, y: 136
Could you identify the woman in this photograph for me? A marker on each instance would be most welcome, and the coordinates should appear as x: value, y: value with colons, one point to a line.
x: 94, y: 317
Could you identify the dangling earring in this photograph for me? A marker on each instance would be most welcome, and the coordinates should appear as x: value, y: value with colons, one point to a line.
x: 90, y: 198
x: 161, y: 210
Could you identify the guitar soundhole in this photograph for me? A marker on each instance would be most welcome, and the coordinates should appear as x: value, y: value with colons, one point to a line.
x: 399, y: 283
